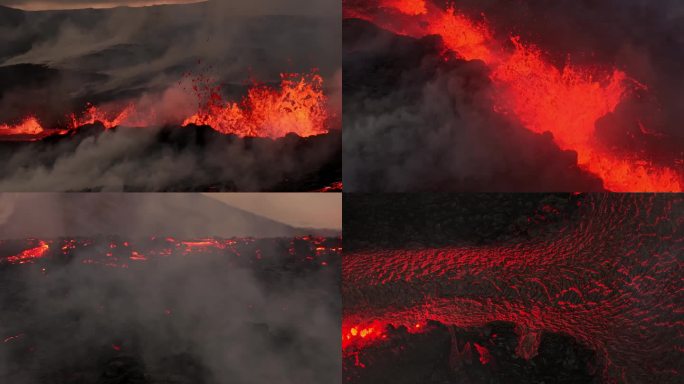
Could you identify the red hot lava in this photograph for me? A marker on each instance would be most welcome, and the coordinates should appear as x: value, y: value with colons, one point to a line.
x: 30, y: 254
x: 124, y: 254
x: 610, y: 278
x: 298, y: 106
x: 566, y: 102
x: 28, y: 127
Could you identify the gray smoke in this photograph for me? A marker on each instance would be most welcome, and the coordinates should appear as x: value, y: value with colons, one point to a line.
x: 183, y: 321
x: 121, y: 53
x: 133, y: 160
x: 180, y: 319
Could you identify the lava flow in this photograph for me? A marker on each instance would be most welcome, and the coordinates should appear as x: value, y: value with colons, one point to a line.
x: 28, y: 255
x: 298, y: 106
x: 609, y: 277
x: 115, y: 252
x: 566, y: 102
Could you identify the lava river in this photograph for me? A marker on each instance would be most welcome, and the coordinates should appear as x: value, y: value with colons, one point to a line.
x: 116, y: 252
x: 566, y: 102
x: 610, y: 277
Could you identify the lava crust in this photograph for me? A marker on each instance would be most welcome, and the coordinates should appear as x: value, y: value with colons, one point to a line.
x: 606, y: 273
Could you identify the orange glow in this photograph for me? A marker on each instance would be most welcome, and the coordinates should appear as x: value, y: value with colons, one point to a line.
x: 30, y: 126
x: 566, y: 102
x: 360, y: 335
x: 93, y: 114
x: 29, y: 255
x: 356, y: 336
x: 299, y: 106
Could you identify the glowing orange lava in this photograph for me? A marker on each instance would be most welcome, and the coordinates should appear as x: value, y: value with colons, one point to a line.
x: 30, y: 127
x: 94, y: 114
x: 299, y: 106
x: 566, y: 102
x: 29, y: 255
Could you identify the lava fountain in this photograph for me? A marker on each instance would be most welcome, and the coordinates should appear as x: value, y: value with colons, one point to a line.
x: 299, y: 105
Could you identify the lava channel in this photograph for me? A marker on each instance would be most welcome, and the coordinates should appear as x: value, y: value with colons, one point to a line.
x: 566, y: 102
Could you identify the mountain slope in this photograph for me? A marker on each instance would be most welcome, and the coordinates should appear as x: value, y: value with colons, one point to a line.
x: 130, y: 215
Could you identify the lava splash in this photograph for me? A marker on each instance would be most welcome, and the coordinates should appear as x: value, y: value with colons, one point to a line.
x: 298, y: 106
x: 608, y: 276
x: 565, y: 101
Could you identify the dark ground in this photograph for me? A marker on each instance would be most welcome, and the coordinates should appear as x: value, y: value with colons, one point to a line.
x: 443, y: 219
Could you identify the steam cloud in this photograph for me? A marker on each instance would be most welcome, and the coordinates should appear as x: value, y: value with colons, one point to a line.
x: 134, y: 160
x: 413, y: 122
x: 185, y: 321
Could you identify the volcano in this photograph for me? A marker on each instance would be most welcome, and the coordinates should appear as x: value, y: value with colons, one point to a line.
x: 74, y: 79
x: 505, y: 101
x: 513, y: 288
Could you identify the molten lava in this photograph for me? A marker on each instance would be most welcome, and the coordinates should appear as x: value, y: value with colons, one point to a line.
x: 566, y: 102
x: 29, y: 127
x: 316, y: 251
x: 609, y: 276
x: 93, y: 114
x: 29, y: 255
x: 299, y: 106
